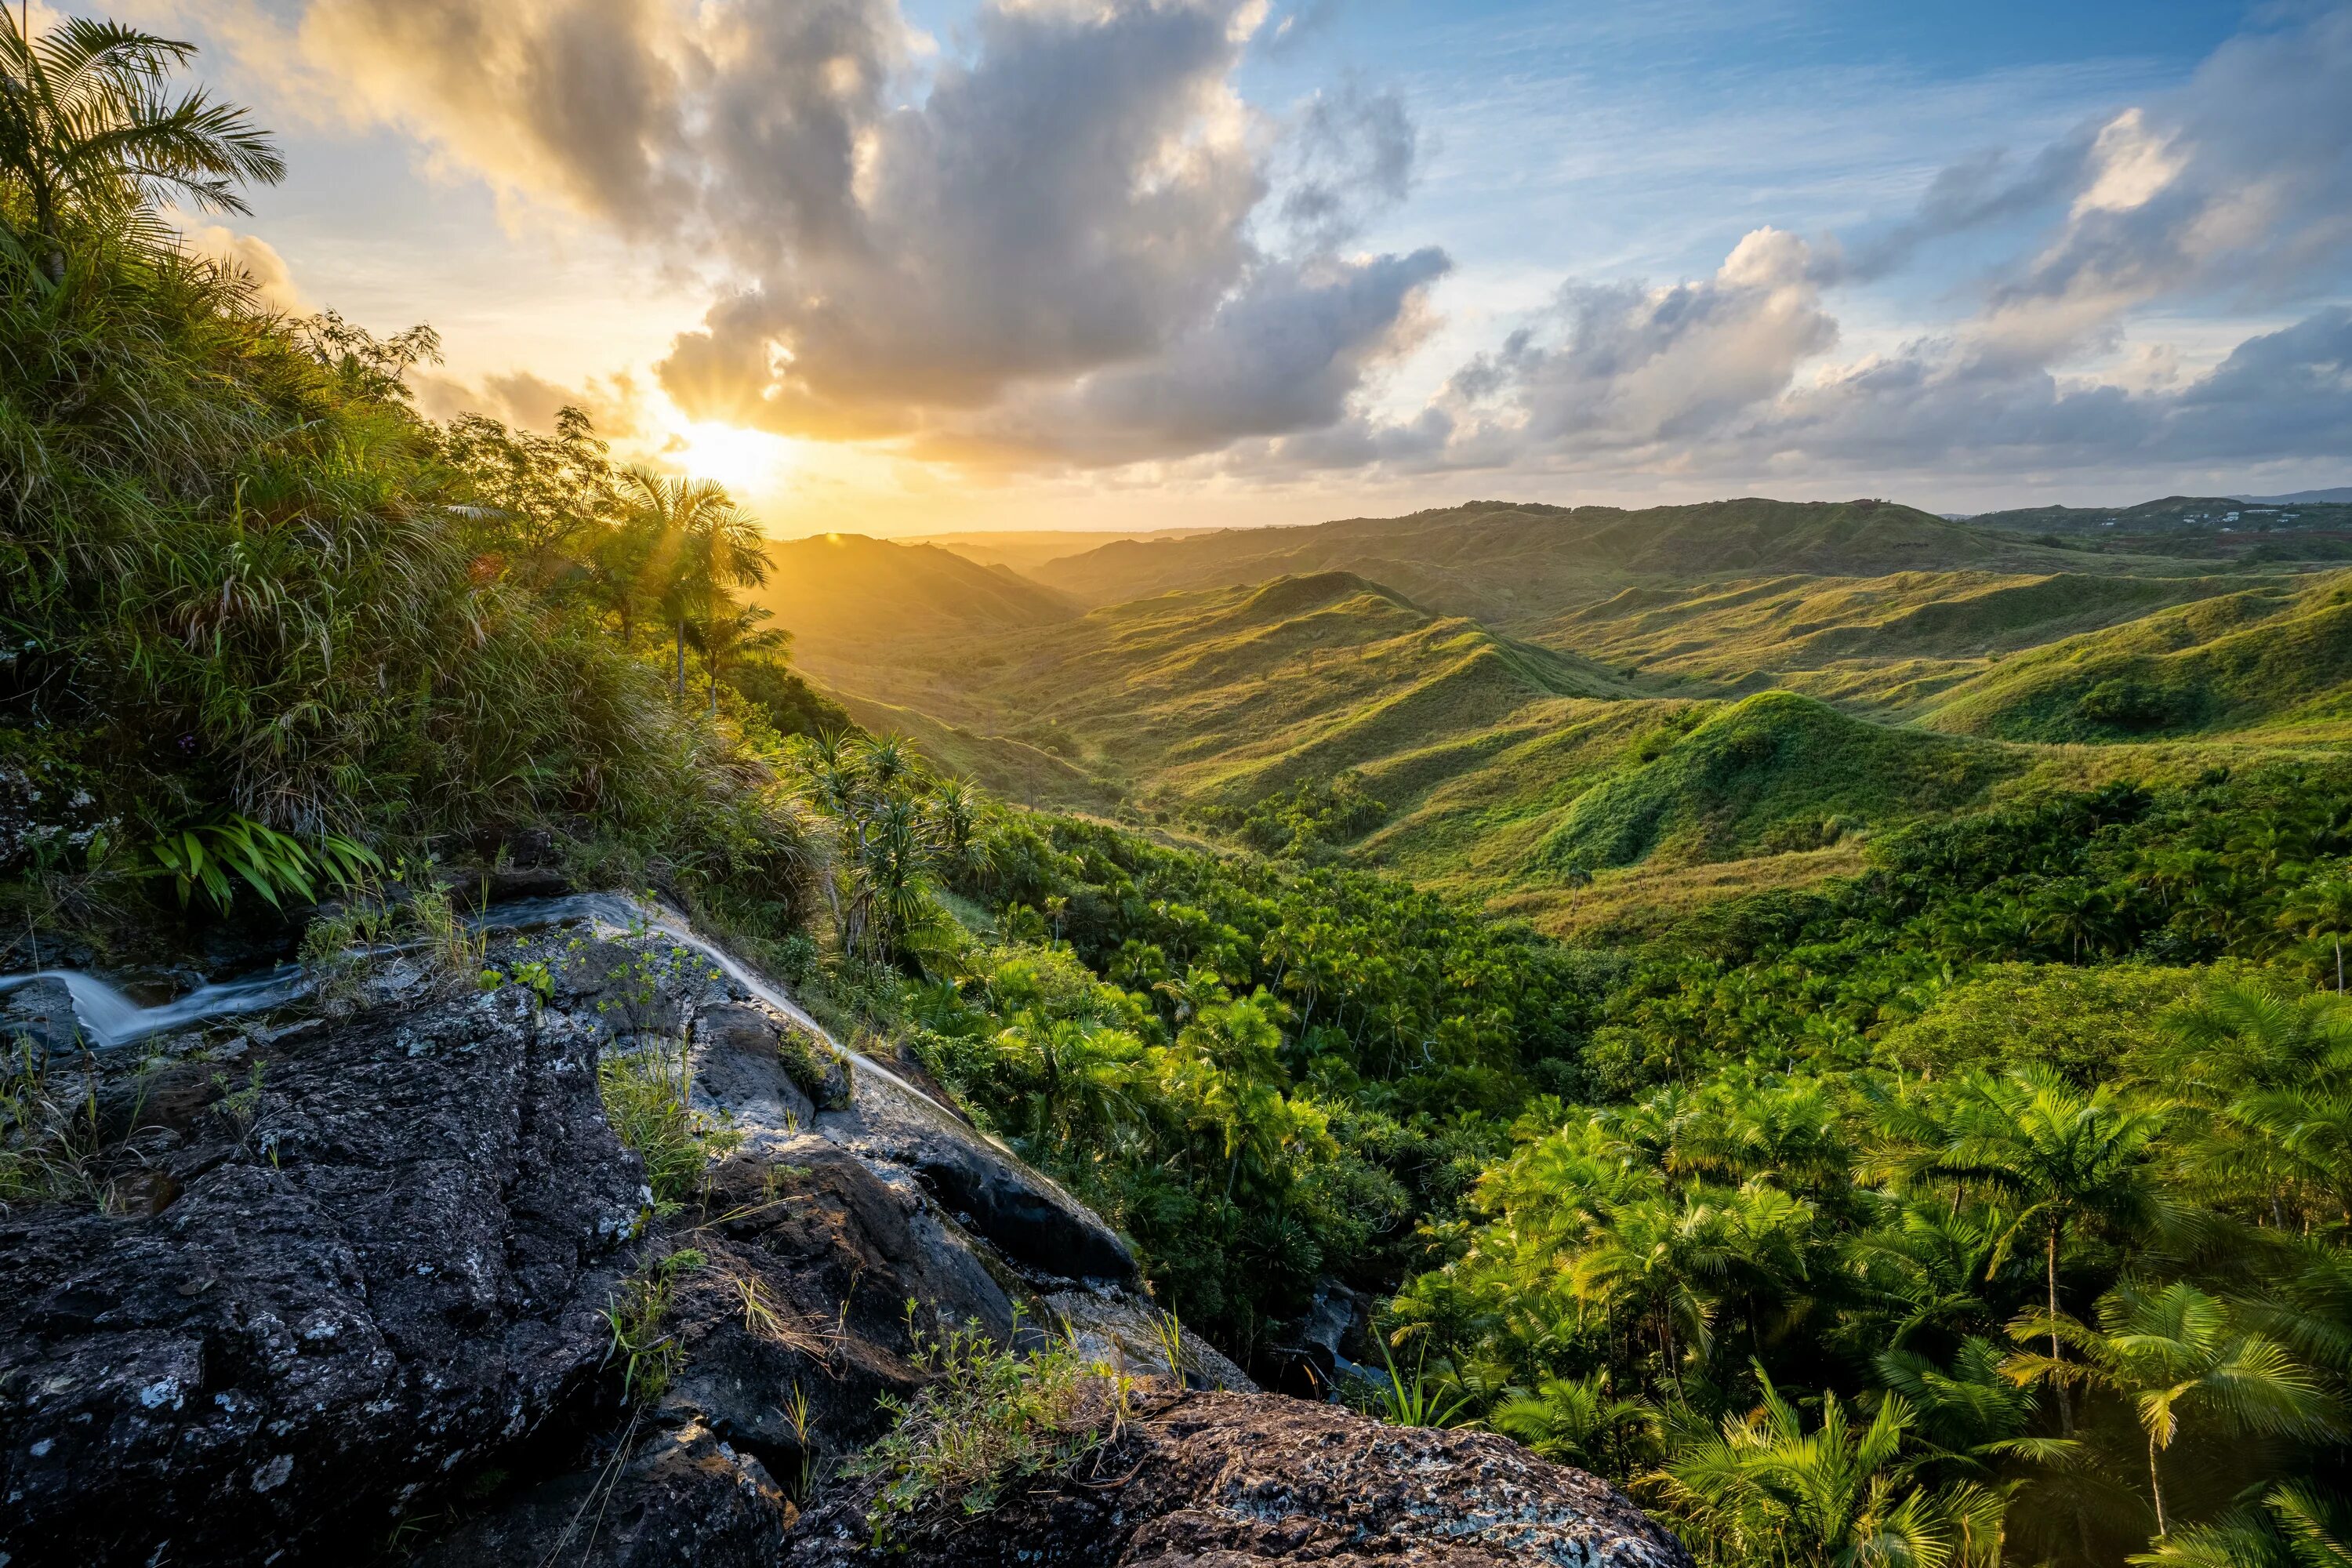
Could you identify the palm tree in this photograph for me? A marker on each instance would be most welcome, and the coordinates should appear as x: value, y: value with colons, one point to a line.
x: 702, y: 543
x: 733, y: 635
x: 1841, y: 1496
x: 2321, y: 908
x: 2297, y: 1526
x: 2175, y: 1352
x: 2076, y: 912
x: 2269, y: 1072
x: 2064, y: 1158
x: 955, y: 818
x: 88, y: 129
x: 1576, y: 1421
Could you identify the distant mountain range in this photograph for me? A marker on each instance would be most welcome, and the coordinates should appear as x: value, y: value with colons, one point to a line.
x: 2181, y: 514
x: 2340, y: 496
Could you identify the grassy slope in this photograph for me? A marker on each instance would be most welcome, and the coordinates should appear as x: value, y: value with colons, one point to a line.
x: 2205, y: 515
x: 1885, y: 645
x: 1230, y: 693
x: 1660, y: 732
x: 1024, y: 549
x: 1504, y: 764
x: 1773, y: 772
x: 2276, y: 657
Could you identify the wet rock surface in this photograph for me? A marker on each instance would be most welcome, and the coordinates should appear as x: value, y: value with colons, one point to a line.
x: 1235, y: 1481
x: 341, y: 1291
x: 40, y: 1013
x: 1028, y: 1218
x: 674, y: 1495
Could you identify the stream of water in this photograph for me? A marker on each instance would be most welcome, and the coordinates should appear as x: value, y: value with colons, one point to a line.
x: 110, y: 1018
x: 626, y: 914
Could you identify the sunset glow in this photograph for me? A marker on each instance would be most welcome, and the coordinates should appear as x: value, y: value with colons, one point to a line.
x: 748, y: 462
x: 1232, y: 262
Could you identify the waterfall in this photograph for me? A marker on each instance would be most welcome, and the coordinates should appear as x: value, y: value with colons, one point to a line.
x: 110, y: 1018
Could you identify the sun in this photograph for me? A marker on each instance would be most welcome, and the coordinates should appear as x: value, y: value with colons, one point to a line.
x: 743, y: 460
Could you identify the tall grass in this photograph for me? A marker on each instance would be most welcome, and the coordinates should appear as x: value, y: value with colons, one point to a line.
x: 239, y: 588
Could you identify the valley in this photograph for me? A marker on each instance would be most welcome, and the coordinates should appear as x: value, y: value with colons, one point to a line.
x: 563, y: 1004
x: 1565, y: 715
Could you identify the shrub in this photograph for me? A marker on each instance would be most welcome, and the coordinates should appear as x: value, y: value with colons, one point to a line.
x: 991, y: 1417
x: 2127, y: 702
x: 648, y: 1095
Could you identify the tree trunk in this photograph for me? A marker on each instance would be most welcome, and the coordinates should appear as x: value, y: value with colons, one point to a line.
x: 2156, y: 1488
x: 2066, y: 1406
x: 681, y: 662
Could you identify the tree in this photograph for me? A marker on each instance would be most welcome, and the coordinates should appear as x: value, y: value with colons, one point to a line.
x: 88, y: 130
x: 532, y: 500
x: 1841, y: 1496
x: 2269, y: 1071
x: 2173, y: 1353
x: 2321, y: 908
x: 733, y: 636
x: 1576, y: 1421
x: 700, y: 543
x: 2064, y: 1158
x: 2297, y: 1526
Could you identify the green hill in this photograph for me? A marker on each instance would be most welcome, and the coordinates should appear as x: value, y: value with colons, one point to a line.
x: 1776, y: 772
x: 1229, y: 693
x: 1511, y: 564
x: 836, y: 588
x: 1637, y: 699
x: 1885, y: 645
x: 2276, y: 656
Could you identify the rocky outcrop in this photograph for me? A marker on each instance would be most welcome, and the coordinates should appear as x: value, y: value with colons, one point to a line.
x: 1233, y: 1480
x: 349, y: 1281
x: 40, y: 1012
x: 669, y: 1494
x: 1028, y: 1218
x: 379, y: 1255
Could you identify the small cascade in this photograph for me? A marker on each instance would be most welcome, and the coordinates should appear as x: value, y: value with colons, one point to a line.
x: 110, y: 1018
x: 617, y: 911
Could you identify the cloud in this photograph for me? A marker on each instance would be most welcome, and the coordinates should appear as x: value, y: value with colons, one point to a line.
x: 272, y: 278
x: 2233, y: 191
x: 2236, y: 184
x: 1352, y: 154
x: 1076, y: 214
x: 1636, y: 367
x: 614, y: 405
x: 1063, y: 239
x: 1285, y: 353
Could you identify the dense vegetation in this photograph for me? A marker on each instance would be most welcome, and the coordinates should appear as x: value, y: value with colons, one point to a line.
x: 1989, y: 1199
x: 1979, y: 1205
x: 260, y: 614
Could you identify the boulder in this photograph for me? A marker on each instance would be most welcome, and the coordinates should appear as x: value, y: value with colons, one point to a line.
x: 810, y: 1260
x: 1023, y: 1213
x: 679, y: 1495
x: 41, y: 1012
x: 344, y: 1297
x: 1236, y: 1481
x: 385, y: 1262
x: 1316, y: 1354
x: 739, y: 1071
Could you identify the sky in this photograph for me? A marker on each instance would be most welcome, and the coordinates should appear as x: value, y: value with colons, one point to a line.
x: 913, y: 266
